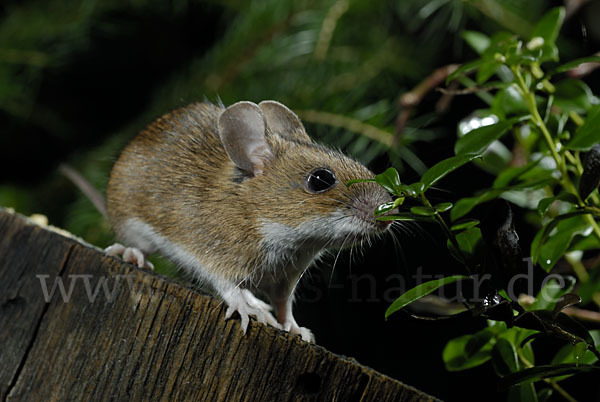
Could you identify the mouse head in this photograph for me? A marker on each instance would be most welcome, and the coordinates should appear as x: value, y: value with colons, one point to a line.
x: 300, y: 186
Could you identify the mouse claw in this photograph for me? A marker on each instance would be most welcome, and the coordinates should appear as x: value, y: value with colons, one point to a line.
x: 292, y: 327
x: 244, y: 317
x: 246, y: 305
x: 304, y: 332
x: 130, y: 255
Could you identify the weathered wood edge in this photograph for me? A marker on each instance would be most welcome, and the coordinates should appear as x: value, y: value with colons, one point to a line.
x: 163, y: 341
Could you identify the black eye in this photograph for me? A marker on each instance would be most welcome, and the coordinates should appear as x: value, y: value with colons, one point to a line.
x: 320, y: 180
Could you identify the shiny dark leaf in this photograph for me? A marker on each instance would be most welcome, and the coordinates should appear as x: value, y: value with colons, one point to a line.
x: 587, y: 135
x: 504, y: 357
x: 567, y: 300
x: 537, y: 373
x: 390, y: 180
x: 443, y: 207
x: 590, y: 178
x: 545, y: 203
x: 574, y: 63
x: 549, y: 26
x: 441, y: 169
x: 542, y: 236
x: 561, y: 326
x: 476, y: 141
x: 468, y: 351
x: 422, y: 210
x: 420, y: 291
x: 464, y: 224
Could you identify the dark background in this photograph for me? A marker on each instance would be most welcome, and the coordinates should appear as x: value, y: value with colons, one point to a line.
x: 79, y: 79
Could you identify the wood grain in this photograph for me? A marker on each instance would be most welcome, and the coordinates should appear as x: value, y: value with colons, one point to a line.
x: 148, y: 338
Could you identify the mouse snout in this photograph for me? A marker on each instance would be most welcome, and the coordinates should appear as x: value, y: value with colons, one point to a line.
x: 364, y: 208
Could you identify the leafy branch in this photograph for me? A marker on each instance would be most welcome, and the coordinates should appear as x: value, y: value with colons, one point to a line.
x: 550, y: 146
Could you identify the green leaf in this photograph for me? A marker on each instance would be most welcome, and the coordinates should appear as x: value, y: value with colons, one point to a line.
x: 423, y: 211
x: 578, y: 355
x: 420, y: 291
x: 388, y: 206
x: 547, y: 52
x: 477, y: 40
x: 547, y: 249
x: 549, y: 26
x: 486, y: 70
x: 390, y: 180
x: 468, y: 351
x: 404, y: 216
x: 580, y: 349
x: 550, y: 293
x: 574, y: 63
x: 588, y: 134
x: 504, y: 357
x: 383, y: 208
x: 502, y: 43
x: 355, y: 181
x: 509, y: 101
x: 477, y: 141
x: 558, y: 325
x: 479, y: 340
x: 508, y: 176
x: 588, y: 288
x: 441, y: 169
x: 443, y: 207
x: 465, y: 224
x: 398, y: 201
x: 537, y: 373
x: 522, y: 393
x: 569, y: 299
x: 573, y: 95
x: 465, y: 205
x: 417, y: 187
x: 545, y: 203
x: 544, y: 394
x: 465, y: 68
x: 468, y: 240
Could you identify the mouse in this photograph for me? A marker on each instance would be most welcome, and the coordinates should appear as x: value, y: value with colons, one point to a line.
x: 242, y: 200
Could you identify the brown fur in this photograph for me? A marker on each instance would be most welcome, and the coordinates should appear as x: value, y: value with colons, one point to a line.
x: 176, y: 177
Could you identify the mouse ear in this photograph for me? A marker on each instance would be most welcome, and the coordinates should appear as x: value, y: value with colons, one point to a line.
x: 242, y: 129
x: 281, y: 120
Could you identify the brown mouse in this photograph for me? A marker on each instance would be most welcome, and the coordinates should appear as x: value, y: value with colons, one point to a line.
x: 241, y: 199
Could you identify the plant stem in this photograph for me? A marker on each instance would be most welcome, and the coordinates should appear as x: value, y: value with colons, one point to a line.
x: 566, y: 182
x: 549, y: 381
x: 537, y: 119
x: 440, y: 220
x: 578, y: 267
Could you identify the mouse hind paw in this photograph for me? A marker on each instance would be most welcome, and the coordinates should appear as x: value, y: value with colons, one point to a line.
x: 130, y: 255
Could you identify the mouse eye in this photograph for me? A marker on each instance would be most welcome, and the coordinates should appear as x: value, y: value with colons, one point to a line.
x: 320, y: 180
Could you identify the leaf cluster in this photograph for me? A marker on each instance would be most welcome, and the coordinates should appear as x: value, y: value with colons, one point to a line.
x: 553, y: 120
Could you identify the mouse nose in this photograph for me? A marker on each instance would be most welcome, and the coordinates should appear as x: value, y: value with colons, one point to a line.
x: 364, y: 208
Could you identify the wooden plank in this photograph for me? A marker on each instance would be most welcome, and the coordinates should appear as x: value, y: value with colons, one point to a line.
x: 24, y: 250
x: 148, y: 337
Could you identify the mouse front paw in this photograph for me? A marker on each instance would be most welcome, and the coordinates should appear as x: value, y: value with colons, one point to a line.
x: 246, y: 304
x: 295, y: 329
x: 130, y: 255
